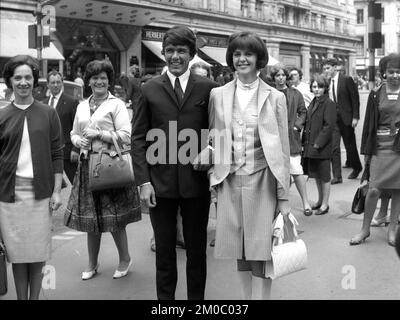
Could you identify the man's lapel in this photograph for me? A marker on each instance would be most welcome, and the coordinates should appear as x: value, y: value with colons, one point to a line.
x: 60, y: 102
x: 168, y: 87
x: 189, y: 87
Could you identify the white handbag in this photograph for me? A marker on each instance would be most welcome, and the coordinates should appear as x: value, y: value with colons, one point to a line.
x: 289, y: 255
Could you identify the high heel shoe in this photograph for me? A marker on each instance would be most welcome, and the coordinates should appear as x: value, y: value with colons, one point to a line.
x: 119, y: 274
x: 321, y: 212
x: 86, y: 275
x: 379, y: 222
x: 315, y: 206
x: 359, y: 241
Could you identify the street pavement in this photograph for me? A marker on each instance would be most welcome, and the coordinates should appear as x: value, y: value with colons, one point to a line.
x: 335, y: 270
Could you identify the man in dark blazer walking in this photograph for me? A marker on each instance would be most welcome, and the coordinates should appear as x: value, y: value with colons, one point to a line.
x: 65, y: 106
x: 172, y: 111
x: 343, y: 91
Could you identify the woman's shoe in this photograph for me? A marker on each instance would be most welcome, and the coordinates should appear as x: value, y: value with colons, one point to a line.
x: 119, y: 274
x: 321, y: 212
x: 86, y: 275
x: 316, y: 206
x: 379, y: 222
x: 392, y: 240
x: 307, y: 212
x: 356, y: 242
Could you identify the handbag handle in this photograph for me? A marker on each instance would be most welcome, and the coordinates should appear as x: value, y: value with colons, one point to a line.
x: 116, y: 145
x: 280, y: 225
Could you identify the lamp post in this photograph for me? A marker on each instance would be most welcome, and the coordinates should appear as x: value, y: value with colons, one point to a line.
x: 374, y: 37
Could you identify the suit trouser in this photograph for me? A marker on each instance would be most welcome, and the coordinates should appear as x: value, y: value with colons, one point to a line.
x: 194, y: 212
x: 349, y: 140
x: 70, y: 169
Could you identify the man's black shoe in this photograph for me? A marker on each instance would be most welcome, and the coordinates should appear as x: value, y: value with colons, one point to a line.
x: 354, y: 174
x: 336, y: 180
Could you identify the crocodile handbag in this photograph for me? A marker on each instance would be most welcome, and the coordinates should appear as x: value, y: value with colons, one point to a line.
x: 289, y: 253
x: 109, y: 169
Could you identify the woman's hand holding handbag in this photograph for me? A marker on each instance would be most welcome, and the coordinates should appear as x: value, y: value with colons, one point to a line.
x: 289, y: 254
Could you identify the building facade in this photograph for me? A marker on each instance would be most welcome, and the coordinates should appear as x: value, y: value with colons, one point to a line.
x: 297, y: 32
x: 390, y: 32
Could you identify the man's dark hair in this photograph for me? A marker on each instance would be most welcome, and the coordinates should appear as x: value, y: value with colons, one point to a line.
x: 247, y: 41
x: 20, y: 60
x: 331, y: 61
x: 180, y: 35
x: 54, y: 73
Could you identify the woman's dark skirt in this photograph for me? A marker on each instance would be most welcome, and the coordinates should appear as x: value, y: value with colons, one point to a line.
x: 100, y: 211
x: 317, y: 169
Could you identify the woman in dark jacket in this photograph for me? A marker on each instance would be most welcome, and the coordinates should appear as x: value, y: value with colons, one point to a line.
x: 297, y: 113
x: 31, y: 168
x: 381, y: 146
x: 317, y: 140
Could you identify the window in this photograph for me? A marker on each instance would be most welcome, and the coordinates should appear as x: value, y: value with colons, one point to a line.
x: 323, y: 23
x: 259, y: 10
x: 360, y: 16
x: 383, y: 15
x: 244, y: 7
x: 313, y: 21
x: 337, y: 25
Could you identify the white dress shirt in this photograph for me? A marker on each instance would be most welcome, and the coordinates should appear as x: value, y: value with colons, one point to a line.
x: 336, y: 79
x: 56, y: 98
x: 183, y: 79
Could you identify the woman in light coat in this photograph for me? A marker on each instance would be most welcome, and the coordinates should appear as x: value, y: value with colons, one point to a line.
x: 250, y: 175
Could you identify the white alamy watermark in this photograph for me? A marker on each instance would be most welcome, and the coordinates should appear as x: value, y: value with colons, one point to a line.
x: 49, y: 277
x: 349, y: 280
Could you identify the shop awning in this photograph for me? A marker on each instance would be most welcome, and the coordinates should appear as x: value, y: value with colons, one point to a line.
x: 156, y: 48
x: 215, y: 53
x: 14, y: 37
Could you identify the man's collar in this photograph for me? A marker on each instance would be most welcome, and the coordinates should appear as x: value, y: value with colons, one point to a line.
x: 58, y: 95
x: 336, y: 77
x: 182, y: 78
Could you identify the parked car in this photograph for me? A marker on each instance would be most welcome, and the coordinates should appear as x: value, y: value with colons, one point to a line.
x: 71, y: 88
x: 41, y: 91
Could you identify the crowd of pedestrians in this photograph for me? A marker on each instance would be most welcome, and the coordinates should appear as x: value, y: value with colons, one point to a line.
x: 265, y: 130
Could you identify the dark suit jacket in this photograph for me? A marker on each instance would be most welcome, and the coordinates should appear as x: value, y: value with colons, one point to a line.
x: 297, y: 113
x: 66, y: 109
x: 319, y: 128
x: 348, y: 100
x: 158, y: 106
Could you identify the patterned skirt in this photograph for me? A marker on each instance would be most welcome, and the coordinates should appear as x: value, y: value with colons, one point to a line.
x: 100, y: 211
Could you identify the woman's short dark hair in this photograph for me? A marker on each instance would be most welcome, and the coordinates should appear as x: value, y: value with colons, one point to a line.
x: 96, y: 67
x: 17, y: 61
x: 180, y: 35
x: 322, y: 82
x: 275, y: 69
x: 393, y: 61
x: 247, y: 41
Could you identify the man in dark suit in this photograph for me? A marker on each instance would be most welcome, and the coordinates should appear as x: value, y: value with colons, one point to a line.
x: 66, y: 108
x: 343, y: 91
x: 171, y: 106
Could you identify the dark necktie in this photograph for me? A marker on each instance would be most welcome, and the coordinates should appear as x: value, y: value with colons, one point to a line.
x: 178, y: 91
x: 333, y: 91
x: 52, y: 101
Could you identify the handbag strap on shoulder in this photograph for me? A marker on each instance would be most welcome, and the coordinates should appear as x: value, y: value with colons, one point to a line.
x: 116, y: 145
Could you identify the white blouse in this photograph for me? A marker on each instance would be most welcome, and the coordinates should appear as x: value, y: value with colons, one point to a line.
x: 111, y: 115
